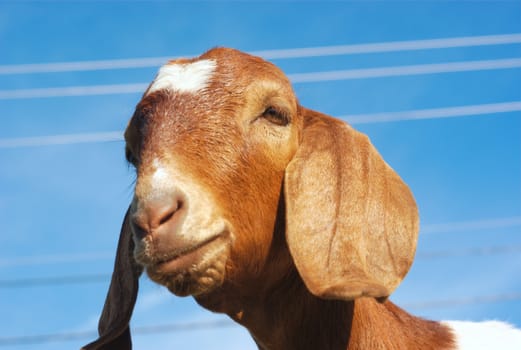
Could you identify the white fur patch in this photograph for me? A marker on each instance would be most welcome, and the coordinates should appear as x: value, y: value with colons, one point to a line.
x: 187, y: 77
x: 160, y: 178
x: 485, y: 335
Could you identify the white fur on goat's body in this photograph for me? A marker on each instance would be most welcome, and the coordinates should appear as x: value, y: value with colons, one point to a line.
x: 485, y: 335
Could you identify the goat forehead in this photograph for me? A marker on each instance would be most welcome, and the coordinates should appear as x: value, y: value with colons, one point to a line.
x: 184, y: 77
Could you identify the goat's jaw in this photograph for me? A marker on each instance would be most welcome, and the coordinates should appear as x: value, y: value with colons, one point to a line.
x: 197, y: 270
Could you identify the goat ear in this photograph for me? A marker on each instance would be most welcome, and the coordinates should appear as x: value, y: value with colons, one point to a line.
x: 113, y: 327
x: 352, y: 223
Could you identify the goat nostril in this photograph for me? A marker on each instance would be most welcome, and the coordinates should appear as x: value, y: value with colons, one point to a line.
x: 171, y: 213
x: 166, y: 218
x: 153, y: 216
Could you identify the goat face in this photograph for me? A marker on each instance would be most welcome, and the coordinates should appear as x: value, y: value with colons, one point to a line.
x: 240, y: 190
x: 210, y: 141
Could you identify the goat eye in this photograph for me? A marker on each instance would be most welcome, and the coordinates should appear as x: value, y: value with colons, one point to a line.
x: 276, y: 116
x: 130, y: 157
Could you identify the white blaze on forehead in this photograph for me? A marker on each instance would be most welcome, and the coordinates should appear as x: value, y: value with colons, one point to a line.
x: 184, y: 77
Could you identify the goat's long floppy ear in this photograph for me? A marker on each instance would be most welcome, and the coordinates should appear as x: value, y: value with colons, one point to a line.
x: 113, y: 327
x: 352, y: 223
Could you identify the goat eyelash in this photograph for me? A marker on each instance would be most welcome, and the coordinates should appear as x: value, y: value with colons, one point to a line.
x: 130, y: 157
x: 276, y: 116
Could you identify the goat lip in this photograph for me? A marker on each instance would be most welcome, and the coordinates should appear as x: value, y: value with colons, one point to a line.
x: 189, y: 258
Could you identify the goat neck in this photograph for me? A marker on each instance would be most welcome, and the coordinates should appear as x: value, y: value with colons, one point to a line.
x: 288, y: 317
x: 281, y: 313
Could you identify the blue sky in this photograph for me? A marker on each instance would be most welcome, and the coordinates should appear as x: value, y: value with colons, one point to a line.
x: 61, y: 205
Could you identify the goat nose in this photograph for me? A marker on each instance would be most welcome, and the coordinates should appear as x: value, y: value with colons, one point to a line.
x: 154, y: 215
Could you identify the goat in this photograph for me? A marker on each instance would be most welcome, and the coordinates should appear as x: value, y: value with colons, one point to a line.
x: 285, y: 219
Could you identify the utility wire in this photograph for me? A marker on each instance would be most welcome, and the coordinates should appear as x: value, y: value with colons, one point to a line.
x: 474, y: 225
x: 385, y: 117
x: 139, y: 330
x: 484, y: 251
x: 445, y: 303
x: 296, y: 78
x: 65, y: 139
x: 54, y: 259
x: 52, y: 281
x: 205, y: 325
x: 433, y: 113
x: 321, y: 51
x: 392, y: 46
x: 92, y: 90
x: 408, y: 70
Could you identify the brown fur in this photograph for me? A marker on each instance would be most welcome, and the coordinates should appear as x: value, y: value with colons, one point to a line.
x: 317, y: 227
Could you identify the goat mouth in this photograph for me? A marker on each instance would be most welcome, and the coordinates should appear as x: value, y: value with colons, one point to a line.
x: 190, y: 258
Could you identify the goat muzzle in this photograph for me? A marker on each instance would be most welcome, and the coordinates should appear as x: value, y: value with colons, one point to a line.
x: 180, y: 238
x: 158, y: 216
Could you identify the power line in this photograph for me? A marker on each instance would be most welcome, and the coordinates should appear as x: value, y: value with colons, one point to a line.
x: 225, y: 323
x: 55, y: 259
x: 434, y: 113
x: 485, y: 251
x: 418, y: 114
x: 484, y: 224
x: 169, y: 328
x: 320, y: 51
x: 436, y: 304
x: 296, y: 78
x: 92, y: 90
x: 66, y: 139
x: 82, y: 66
x: 58, y: 280
x: 47, y: 338
x: 139, y: 330
x: 395, y: 71
x: 392, y: 46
